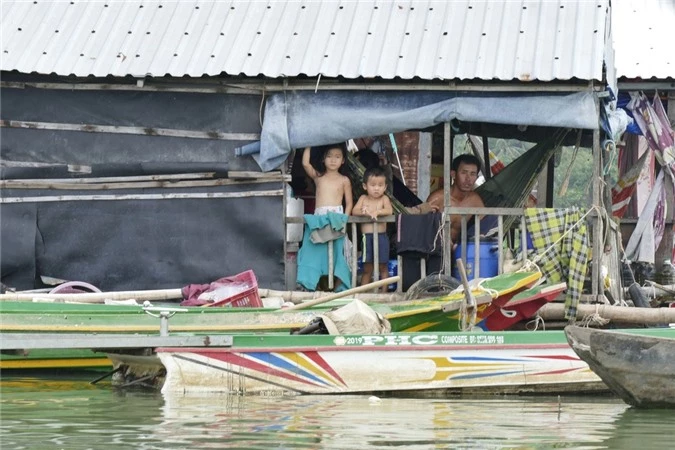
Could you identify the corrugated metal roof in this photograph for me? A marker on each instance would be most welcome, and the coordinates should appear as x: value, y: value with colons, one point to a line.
x: 644, y: 36
x: 489, y: 40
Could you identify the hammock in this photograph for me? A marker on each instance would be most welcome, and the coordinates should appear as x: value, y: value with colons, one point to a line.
x: 511, y: 187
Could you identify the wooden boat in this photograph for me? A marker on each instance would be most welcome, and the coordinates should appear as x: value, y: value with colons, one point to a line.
x: 432, y: 314
x: 51, y: 359
x: 639, y: 368
x: 426, y: 364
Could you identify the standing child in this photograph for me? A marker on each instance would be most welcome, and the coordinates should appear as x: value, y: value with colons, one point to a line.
x: 375, y: 203
x: 332, y: 189
x: 331, y: 186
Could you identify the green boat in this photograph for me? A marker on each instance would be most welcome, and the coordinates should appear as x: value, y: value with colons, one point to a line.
x: 432, y: 314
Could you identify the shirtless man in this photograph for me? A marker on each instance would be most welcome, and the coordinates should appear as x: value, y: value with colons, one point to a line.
x: 464, y: 173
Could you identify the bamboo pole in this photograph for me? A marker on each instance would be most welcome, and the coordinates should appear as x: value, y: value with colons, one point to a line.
x: 300, y: 296
x: 348, y: 292
x: 620, y: 314
x: 97, y: 297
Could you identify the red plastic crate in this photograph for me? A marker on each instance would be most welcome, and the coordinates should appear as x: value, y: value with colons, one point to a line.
x: 249, y: 298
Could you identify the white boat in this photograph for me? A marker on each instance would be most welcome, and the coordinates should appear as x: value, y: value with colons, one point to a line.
x: 426, y: 364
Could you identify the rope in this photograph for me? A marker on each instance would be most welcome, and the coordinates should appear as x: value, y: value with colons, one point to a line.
x: 595, y: 319
x: 533, y: 325
x: 466, y: 323
x: 610, y: 146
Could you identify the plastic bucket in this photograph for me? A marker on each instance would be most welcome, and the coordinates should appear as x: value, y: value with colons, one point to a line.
x: 489, y: 260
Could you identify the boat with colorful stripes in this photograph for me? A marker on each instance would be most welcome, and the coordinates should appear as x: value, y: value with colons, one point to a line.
x: 425, y: 364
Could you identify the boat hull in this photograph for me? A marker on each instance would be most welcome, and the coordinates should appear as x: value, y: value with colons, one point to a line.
x: 638, y: 368
x: 430, y: 364
x: 51, y: 359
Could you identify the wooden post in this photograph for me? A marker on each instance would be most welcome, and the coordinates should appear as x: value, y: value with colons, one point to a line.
x: 331, y: 265
x: 447, y: 161
x: 355, y: 264
x: 596, y: 288
x: 376, y: 257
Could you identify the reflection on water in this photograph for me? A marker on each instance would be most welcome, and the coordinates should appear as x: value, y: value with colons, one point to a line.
x: 40, y: 413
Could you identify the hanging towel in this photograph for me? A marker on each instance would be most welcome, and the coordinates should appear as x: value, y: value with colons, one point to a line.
x: 313, y: 258
x: 568, y: 259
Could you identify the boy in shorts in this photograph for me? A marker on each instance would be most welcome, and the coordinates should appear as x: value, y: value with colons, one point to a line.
x: 374, y: 204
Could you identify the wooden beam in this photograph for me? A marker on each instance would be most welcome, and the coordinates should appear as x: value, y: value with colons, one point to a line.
x: 166, y: 184
x: 251, y: 87
x: 143, y: 131
x: 447, y: 161
x: 172, y: 196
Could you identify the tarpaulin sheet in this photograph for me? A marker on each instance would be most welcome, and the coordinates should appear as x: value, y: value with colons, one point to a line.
x: 143, y: 244
x: 300, y: 119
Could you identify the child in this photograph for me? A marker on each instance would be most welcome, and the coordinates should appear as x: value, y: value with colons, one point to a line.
x: 375, y: 203
x: 331, y: 186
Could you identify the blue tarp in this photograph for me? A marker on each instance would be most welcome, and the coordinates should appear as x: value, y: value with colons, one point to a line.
x: 300, y: 119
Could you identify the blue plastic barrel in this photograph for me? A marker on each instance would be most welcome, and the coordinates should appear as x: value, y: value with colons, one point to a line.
x: 489, y: 260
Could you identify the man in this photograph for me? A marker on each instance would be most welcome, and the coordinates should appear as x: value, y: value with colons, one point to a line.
x: 464, y: 173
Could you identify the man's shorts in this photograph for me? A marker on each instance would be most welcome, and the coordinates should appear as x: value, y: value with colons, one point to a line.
x: 383, y: 248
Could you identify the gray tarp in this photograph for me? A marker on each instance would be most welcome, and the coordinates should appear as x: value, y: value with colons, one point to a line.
x: 300, y: 119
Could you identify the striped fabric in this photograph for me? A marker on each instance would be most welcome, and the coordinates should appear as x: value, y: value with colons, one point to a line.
x: 624, y: 188
x: 567, y: 260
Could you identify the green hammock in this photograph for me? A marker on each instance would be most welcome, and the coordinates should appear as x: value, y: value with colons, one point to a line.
x: 511, y: 187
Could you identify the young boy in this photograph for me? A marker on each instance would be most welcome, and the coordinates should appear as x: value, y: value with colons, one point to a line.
x: 375, y: 203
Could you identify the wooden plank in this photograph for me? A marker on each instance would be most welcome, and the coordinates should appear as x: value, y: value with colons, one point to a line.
x: 255, y: 175
x: 146, y: 131
x: 174, y: 176
x: 25, y: 341
x: 172, y: 196
x: 41, y: 184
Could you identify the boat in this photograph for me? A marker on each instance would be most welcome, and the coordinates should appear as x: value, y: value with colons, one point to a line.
x: 638, y: 367
x: 54, y: 359
x: 502, y: 313
x: 442, y: 313
x: 429, y: 314
x: 422, y: 364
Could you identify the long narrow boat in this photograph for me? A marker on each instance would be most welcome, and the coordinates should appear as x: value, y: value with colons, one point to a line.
x: 639, y: 368
x: 433, y: 314
x: 427, y: 364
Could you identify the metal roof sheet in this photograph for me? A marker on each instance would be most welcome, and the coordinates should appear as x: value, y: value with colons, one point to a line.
x: 644, y: 34
x: 489, y: 40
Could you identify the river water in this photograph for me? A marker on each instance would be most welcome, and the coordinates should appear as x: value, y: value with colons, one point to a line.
x: 67, y: 413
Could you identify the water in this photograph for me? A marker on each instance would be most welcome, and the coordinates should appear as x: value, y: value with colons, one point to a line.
x: 72, y: 414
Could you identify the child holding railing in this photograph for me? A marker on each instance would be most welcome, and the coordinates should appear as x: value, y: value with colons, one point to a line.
x: 373, y: 204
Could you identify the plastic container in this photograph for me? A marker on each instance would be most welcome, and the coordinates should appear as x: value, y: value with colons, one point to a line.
x: 295, y: 207
x: 392, y: 267
x: 247, y: 297
x: 489, y: 260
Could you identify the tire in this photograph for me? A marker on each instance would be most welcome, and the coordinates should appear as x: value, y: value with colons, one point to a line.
x: 432, y: 286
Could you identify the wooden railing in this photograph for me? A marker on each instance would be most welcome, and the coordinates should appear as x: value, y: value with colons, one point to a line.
x: 465, y: 213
